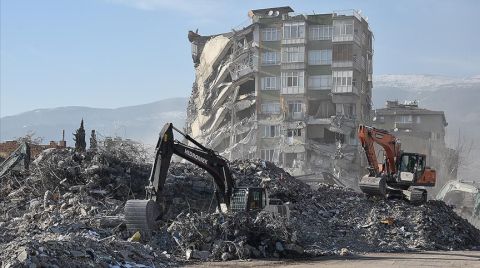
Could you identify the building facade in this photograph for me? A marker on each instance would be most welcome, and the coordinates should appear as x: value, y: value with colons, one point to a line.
x: 288, y: 88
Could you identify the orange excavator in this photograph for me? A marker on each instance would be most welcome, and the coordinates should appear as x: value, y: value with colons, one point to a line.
x: 401, y: 174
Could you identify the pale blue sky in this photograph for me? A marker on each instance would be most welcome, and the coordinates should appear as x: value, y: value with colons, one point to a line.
x: 112, y: 53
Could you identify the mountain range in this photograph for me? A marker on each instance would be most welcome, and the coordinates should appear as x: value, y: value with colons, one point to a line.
x: 458, y: 97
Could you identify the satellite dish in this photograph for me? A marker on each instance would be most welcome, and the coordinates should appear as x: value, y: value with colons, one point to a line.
x: 270, y: 13
x: 277, y: 13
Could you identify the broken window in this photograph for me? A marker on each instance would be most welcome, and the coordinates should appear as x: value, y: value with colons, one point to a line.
x: 270, y: 57
x: 295, y: 109
x: 292, y: 30
x: 270, y: 34
x: 320, y: 57
x: 270, y: 108
x: 269, y: 83
x: 270, y: 131
x: 293, y: 54
x: 320, y: 82
x: 320, y: 32
x: 294, y: 132
x: 346, y: 109
x: 267, y: 154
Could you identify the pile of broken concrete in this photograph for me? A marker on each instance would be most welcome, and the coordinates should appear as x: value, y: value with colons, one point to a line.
x: 68, y: 211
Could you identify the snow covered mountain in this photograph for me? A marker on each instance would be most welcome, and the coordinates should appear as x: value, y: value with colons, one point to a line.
x: 415, y: 82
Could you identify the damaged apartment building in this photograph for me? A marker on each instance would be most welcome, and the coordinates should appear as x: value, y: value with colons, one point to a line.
x: 288, y: 88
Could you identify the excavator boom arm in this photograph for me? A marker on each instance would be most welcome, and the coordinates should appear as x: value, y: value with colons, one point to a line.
x: 370, y: 135
x: 203, y: 157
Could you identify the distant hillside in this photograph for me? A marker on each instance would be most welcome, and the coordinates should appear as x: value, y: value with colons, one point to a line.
x: 140, y: 122
x: 458, y: 97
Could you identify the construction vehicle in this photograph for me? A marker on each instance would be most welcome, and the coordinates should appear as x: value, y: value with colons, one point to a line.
x: 143, y: 215
x: 464, y: 197
x: 401, y: 174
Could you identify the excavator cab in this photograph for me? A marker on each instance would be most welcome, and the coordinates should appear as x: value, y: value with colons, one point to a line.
x: 411, y: 167
x: 248, y: 199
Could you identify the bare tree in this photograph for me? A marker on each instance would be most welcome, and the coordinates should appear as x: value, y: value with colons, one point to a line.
x: 30, y: 138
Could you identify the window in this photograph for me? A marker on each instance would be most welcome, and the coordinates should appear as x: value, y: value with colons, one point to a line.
x: 292, y: 30
x: 295, y: 109
x: 294, y: 132
x: 320, y: 32
x: 320, y: 57
x: 270, y: 34
x: 342, y: 81
x: 320, y: 82
x: 269, y: 83
x: 270, y: 108
x: 293, y: 54
x: 403, y: 119
x: 343, y: 27
x: 270, y: 57
x: 292, y: 79
x: 270, y: 131
x: 267, y: 154
x: 418, y: 119
x: 346, y: 109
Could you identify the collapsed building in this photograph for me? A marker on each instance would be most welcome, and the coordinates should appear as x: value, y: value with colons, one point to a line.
x: 422, y: 131
x: 289, y: 88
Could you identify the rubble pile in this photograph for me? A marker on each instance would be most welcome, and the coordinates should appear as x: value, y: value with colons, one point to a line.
x: 68, y: 211
x: 329, y: 220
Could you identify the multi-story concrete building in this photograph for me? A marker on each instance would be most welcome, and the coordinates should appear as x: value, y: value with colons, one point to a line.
x: 421, y: 131
x: 289, y: 88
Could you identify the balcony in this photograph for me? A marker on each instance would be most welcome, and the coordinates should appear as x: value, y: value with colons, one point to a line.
x: 294, y: 41
x: 342, y: 64
x: 242, y: 66
x: 296, y: 116
x: 293, y: 65
x: 404, y: 125
x: 345, y: 90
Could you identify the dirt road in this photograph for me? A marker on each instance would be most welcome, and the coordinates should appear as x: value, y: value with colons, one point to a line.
x: 373, y: 260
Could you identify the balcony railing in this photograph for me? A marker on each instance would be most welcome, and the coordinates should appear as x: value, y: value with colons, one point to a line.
x: 344, y: 89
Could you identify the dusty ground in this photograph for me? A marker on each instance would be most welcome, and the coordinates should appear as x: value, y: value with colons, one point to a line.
x: 373, y: 260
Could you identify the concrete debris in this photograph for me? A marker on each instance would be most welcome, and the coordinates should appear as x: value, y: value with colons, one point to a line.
x: 68, y: 211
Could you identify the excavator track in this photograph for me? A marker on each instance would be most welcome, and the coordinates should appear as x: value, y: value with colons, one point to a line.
x: 141, y: 216
x: 373, y: 186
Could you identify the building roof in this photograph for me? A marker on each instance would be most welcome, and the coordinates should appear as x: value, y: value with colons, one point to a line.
x: 265, y: 11
x: 394, y: 108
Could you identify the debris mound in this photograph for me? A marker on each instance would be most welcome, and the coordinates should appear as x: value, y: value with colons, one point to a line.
x: 68, y: 211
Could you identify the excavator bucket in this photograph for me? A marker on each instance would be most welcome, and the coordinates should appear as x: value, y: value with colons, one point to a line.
x: 373, y: 186
x: 142, y: 216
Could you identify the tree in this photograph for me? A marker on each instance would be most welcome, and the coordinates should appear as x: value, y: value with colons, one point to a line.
x: 30, y: 138
x: 93, y: 140
x: 79, y: 138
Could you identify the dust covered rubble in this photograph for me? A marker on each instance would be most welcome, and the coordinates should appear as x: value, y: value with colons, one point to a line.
x: 68, y: 211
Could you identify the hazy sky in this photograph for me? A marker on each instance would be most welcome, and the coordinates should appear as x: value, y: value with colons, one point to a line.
x: 112, y: 53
